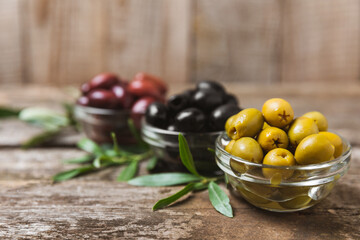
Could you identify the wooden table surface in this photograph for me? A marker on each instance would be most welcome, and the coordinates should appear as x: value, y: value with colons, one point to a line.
x: 97, y: 207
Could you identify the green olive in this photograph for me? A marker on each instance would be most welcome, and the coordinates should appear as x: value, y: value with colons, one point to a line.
x: 265, y: 125
x: 229, y: 122
x: 313, y: 149
x: 335, y: 141
x: 246, y: 123
x: 271, y: 138
x: 229, y: 146
x: 296, y: 203
x: 277, y: 112
x: 278, y: 157
x: 247, y: 148
x: 301, y: 128
x: 319, y: 119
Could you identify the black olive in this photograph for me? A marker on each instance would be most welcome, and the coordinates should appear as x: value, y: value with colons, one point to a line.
x: 219, y: 116
x: 231, y: 99
x: 156, y: 115
x: 178, y: 102
x: 208, y: 84
x: 189, y: 92
x: 190, y: 120
x: 207, y: 99
x: 171, y: 127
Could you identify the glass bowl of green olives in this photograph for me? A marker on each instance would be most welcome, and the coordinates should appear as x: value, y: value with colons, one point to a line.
x: 305, y: 185
x: 280, y: 162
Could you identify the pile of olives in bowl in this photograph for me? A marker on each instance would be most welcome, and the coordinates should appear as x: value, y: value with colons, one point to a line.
x: 199, y: 114
x: 280, y: 163
x: 107, y: 102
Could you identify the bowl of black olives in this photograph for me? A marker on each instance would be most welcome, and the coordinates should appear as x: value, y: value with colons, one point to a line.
x: 199, y: 114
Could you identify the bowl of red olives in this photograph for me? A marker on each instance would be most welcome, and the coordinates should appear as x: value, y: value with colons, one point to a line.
x: 199, y: 114
x: 107, y: 102
x: 281, y: 163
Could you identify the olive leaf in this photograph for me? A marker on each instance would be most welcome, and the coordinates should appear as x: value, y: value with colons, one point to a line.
x: 39, y: 139
x: 167, y: 201
x: 136, y: 134
x: 152, y: 163
x: 211, y: 150
x: 6, y: 112
x: 115, y: 143
x: 97, y: 162
x: 219, y: 199
x: 83, y: 159
x: 90, y: 146
x: 128, y: 172
x: 186, y: 156
x: 164, y: 179
x: 43, y: 117
x: 62, y: 176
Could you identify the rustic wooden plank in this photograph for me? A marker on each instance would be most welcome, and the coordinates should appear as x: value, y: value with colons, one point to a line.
x: 237, y: 41
x: 69, y: 42
x: 76, y: 211
x: 11, y: 51
x: 338, y: 103
x: 65, y: 40
x: 321, y: 41
x: 97, y: 209
x: 43, y: 163
x: 151, y: 36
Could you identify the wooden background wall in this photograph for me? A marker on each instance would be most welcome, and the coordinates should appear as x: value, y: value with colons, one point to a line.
x: 258, y: 41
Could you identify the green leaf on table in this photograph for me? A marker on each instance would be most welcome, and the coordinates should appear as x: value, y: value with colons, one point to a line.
x: 164, y: 179
x: 62, y: 176
x: 97, y: 162
x: 82, y: 159
x: 69, y: 113
x: 115, y: 143
x: 128, y: 172
x: 6, y: 112
x: 186, y: 156
x: 152, y: 163
x: 40, y: 138
x: 211, y: 150
x: 219, y: 199
x: 201, y: 186
x: 167, y: 201
x: 136, y: 133
x: 43, y: 117
x: 90, y: 146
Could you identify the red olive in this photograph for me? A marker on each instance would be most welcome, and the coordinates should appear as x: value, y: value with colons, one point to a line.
x: 102, y: 99
x: 157, y: 81
x: 85, y: 88
x: 139, y: 108
x: 104, y: 81
x: 143, y: 88
x: 83, y: 101
x: 125, y: 98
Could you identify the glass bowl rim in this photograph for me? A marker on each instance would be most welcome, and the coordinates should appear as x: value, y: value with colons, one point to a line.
x: 147, y: 127
x: 341, y: 158
x: 102, y: 111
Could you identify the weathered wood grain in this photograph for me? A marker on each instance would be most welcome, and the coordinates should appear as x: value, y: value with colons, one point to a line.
x: 320, y: 41
x: 96, y: 206
x: 337, y: 102
x: 237, y: 41
x: 11, y: 51
x: 69, y: 41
